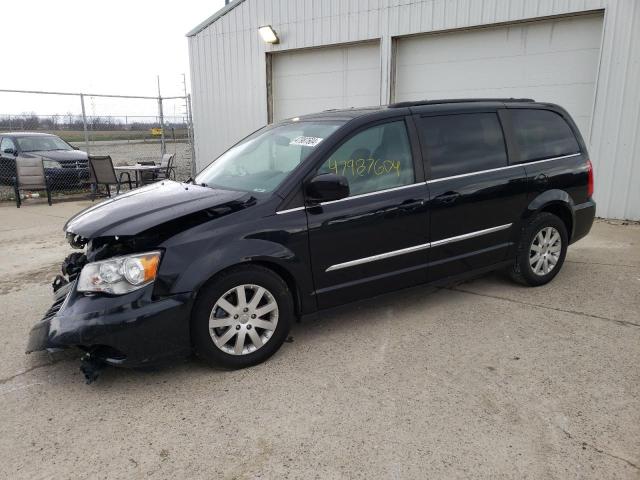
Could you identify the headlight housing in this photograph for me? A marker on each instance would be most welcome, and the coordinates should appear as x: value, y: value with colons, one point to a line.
x: 51, y: 164
x: 120, y: 275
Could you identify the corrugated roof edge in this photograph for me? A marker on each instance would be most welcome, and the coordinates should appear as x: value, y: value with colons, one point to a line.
x: 213, y: 18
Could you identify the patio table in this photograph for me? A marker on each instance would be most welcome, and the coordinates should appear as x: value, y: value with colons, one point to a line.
x: 138, y: 170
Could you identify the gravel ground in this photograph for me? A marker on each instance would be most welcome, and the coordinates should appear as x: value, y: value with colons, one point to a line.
x: 123, y: 152
x: 485, y: 379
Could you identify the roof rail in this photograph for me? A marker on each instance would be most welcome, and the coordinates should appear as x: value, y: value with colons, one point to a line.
x: 457, y: 100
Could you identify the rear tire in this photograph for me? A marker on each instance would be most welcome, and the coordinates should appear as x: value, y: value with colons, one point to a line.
x: 541, y: 251
x: 241, y: 317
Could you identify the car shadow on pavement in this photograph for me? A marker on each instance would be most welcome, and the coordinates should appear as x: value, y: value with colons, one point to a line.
x: 347, y: 321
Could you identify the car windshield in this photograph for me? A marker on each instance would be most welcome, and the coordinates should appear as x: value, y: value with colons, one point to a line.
x: 44, y: 143
x: 260, y: 162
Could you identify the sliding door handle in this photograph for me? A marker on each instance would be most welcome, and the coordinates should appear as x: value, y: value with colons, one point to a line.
x: 448, y: 197
x: 411, y: 204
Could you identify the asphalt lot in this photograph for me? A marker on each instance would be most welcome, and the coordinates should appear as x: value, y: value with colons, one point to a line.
x: 483, y: 380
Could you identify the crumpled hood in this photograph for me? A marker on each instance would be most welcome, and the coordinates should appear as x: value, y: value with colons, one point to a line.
x: 147, y: 207
x: 58, y: 155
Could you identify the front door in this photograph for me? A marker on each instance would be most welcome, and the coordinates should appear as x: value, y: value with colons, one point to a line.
x: 477, y: 198
x: 375, y: 240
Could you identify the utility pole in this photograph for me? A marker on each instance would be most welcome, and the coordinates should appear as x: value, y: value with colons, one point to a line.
x: 187, y: 104
x: 84, y: 124
x: 163, y: 148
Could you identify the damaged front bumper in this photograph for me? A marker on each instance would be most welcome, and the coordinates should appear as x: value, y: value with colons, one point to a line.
x: 133, y: 330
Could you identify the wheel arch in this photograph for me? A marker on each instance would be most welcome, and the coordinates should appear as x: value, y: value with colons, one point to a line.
x: 280, y: 270
x: 556, y: 202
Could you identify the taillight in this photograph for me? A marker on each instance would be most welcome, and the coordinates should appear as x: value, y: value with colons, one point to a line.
x: 590, y: 179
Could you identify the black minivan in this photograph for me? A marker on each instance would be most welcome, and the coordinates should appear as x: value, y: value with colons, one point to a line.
x: 315, y: 212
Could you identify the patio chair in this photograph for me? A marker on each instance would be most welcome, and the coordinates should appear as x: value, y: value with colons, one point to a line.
x: 168, y: 170
x: 30, y: 176
x: 102, y: 173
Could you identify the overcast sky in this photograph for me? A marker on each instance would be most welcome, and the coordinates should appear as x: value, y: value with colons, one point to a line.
x: 114, y: 46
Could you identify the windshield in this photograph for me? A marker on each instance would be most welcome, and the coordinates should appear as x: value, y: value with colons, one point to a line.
x: 260, y: 162
x: 42, y: 143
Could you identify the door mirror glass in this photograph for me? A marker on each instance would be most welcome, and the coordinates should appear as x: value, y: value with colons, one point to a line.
x: 327, y: 187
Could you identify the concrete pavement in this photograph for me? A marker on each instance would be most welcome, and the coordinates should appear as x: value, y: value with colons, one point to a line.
x: 481, y: 380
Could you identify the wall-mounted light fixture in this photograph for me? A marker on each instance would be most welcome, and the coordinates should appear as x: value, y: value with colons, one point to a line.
x: 268, y: 34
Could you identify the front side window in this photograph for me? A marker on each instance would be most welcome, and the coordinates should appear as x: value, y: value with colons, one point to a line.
x: 542, y: 134
x: 260, y: 162
x: 7, y: 143
x: 36, y: 143
x: 375, y: 159
x: 464, y: 143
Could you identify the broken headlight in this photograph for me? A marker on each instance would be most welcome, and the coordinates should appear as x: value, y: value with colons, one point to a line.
x: 119, y: 275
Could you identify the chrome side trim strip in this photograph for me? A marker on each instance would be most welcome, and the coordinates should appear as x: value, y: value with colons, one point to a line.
x: 355, y: 196
x: 362, y: 195
x: 523, y: 164
x: 434, y: 181
x: 466, y: 236
x: 380, y: 256
x: 416, y: 248
x: 289, y: 210
x: 554, y: 158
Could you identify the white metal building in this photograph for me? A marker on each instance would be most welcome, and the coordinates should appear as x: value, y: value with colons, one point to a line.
x: 582, y: 54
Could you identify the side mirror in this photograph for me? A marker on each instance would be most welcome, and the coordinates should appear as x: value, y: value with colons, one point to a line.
x: 327, y: 187
x: 75, y: 148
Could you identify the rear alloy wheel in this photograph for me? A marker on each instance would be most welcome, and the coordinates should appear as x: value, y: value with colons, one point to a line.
x: 544, y: 251
x: 541, y: 250
x: 241, y: 317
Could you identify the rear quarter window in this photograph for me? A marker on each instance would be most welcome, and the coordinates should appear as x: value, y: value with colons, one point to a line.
x: 542, y: 134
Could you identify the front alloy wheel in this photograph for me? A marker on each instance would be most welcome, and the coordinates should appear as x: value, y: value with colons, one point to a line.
x: 243, y: 319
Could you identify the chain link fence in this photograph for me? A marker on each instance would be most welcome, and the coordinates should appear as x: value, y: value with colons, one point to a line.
x: 129, y: 129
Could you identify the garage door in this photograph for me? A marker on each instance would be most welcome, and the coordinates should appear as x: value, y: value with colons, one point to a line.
x: 551, y: 61
x: 313, y: 80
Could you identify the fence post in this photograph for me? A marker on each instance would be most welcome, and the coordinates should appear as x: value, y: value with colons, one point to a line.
x: 194, y: 170
x: 84, y: 124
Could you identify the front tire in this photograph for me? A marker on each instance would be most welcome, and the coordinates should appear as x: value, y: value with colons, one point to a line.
x: 241, y: 317
x: 541, y: 251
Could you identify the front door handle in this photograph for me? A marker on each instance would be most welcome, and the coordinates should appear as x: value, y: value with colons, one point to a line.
x: 448, y: 197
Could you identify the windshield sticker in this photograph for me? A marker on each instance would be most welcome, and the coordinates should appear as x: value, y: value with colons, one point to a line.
x: 306, y: 141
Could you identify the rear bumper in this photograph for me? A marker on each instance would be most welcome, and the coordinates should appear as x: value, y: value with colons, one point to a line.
x: 130, y: 330
x: 583, y: 215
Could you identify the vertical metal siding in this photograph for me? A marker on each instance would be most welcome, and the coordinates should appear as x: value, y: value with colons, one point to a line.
x: 228, y: 69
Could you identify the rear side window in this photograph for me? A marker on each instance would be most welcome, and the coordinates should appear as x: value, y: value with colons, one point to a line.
x: 465, y: 143
x: 542, y: 134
